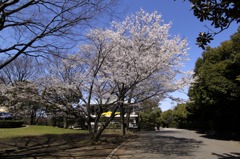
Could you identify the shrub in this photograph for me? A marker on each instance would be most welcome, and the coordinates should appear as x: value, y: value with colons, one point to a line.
x: 11, y: 123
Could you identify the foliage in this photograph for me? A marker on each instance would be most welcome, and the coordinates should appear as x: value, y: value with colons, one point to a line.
x: 215, y: 93
x: 180, y: 116
x: 220, y: 13
x: 167, y: 119
x: 176, y: 117
x: 11, y: 123
x: 150, y: 115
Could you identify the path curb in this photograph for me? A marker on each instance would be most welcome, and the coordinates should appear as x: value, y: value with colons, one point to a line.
x: 115, y: 150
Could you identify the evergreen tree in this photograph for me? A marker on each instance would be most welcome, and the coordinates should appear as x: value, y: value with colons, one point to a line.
x: 215, y: 93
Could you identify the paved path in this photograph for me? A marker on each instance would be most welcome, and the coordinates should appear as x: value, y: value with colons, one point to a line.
x: 176, y: 144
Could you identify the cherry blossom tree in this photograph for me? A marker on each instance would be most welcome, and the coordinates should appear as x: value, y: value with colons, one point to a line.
x: 62, y: 97
x: 19, y: 92
x: 23, y: 101
x: 136, y: 58
x: 144, y: 52
x: 60, y: 89
x: 97, y: 89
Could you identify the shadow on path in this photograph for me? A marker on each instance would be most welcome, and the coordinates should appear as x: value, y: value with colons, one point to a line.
x: 223, y: 137
x: 166, y: 145
x: 56, y: 146
x: 232, y: 155
x: 218, y: 136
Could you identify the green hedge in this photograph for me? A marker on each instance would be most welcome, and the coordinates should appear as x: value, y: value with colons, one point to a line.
x: 11, y: 123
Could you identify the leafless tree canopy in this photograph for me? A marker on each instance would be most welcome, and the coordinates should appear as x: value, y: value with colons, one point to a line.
x: 41, y: 27
x: 22, y: 69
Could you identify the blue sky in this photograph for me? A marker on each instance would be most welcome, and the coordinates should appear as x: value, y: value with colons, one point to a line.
x: 184, y: 23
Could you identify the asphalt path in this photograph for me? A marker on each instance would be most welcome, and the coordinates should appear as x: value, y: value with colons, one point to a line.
x: 171, y: 143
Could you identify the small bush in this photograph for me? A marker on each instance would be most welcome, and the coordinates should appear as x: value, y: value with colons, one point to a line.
x: 11, y: 123
x: 147, y: 126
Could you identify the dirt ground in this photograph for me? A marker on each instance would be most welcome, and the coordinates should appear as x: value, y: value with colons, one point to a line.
x: 59, y: 147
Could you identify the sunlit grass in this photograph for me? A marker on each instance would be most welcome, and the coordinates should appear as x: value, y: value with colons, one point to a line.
x: 35, y: 131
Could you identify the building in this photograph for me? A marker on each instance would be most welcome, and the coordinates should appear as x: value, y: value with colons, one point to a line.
x: 131, y: 116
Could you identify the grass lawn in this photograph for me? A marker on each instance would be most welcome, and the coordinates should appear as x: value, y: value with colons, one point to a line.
x: 35, y: 131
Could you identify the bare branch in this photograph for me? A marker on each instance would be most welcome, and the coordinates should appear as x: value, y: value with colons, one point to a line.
x: 27, y: 27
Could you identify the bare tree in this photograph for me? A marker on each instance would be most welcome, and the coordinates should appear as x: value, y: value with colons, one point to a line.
x: 22, y: 69
x: 40, y: 27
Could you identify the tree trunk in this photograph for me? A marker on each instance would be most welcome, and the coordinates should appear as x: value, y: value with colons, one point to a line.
x: 54, y: 120
x: 97, y: 135
x: 65, y: 124
x: 98, y: 116
x: 128, y: 108
x: 128, y: 118
x: 122, y: 112
x: 32, y: 118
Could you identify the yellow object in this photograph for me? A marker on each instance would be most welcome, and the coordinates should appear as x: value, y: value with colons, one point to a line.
x: 109, y: 113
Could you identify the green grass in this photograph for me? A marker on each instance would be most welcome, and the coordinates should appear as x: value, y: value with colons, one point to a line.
x: 35, y: 131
